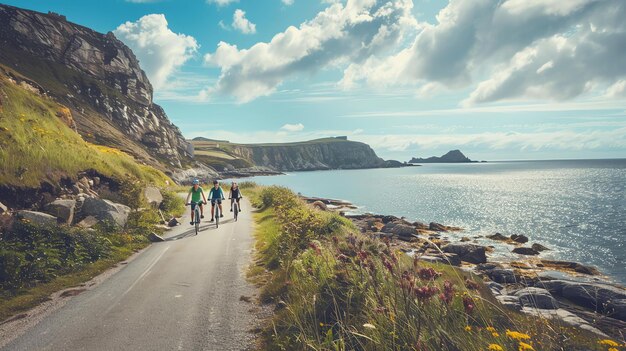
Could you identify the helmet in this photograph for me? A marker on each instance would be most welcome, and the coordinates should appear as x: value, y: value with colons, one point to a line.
x: 195, y: 181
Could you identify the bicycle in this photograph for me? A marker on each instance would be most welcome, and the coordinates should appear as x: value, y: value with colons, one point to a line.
x: 235, y: 206
x: 196, y: 215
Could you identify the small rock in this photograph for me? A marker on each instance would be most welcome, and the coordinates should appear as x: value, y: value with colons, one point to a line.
x: 404, y: 230
x: 155, y: 238
x: 3, y: 208
x: 37, y: 218
x: 497, y: 236
x: 465, y: 239
x: 525, y: 251
x: 522, y: 239
x: 88, y: 222
x: 96, y: 181
x: 451, y: 259
x: 538, y: 247
x: 172, y: 222
x: 437, y: 227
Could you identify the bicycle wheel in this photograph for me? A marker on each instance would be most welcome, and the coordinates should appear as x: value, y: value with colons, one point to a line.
x: 235, y: 210
x: 217, y: 215
x: 197, y: 221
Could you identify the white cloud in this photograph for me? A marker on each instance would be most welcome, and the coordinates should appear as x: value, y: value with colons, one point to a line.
x: 539, y: 49
x: 242, y: 24
x: 341, y: 33
x: 287, y: 2
x: 160, y: 51
x: 293, y: 127
x: 221, y: 2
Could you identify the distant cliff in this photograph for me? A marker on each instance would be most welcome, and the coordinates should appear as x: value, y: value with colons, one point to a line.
x: 97, y: 77
x: 320, y: 154
x: 454, y: 156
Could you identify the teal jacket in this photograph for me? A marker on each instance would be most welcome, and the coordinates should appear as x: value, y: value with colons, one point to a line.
x: 215, y: 194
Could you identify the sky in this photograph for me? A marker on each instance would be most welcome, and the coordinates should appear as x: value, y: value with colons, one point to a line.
x: 497, y: 79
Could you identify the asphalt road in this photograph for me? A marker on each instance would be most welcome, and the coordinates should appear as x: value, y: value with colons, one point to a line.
x: 182, y: 294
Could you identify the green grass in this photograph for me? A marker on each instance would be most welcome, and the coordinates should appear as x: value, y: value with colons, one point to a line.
x: 342, y: 290
x: 36, y: 145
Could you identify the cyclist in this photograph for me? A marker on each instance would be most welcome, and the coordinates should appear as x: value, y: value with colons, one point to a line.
x: 216, y: 195
x: 196, y: 193
x: 235, y: 195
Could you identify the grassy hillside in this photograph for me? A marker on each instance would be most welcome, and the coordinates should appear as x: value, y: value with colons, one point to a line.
x: 37, y: 143
x: 336, y: 289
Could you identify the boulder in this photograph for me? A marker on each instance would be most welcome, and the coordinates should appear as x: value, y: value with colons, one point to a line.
x: 437, y: 227
x: 106, y: 210
x: 567, y: 265
x: 467, y: 252
x: 63, y: 210
x: 503, y: 276
x: 617, y: 309
x: 153, y: 195
x: 522, y: 239
x: 537, y: 297
x: 497, y: 236
x: 37, y: 218
x: 566, y: 316
x: 509, y: 301
x: 525, y: 251
x: 155, y: 238
x: 538, y: 247
x: 3, y: 208
x: 553, y: 286
x: 88, y: 222
x: 593, y: 296
x: 403, y: 230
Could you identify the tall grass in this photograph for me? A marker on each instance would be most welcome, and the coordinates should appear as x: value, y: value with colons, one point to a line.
x: 336, y: 289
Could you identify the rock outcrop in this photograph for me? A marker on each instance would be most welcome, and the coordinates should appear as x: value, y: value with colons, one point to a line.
x: 97, y: 77
x: 106, y: 210
x: 320, y: 154
x: 454, y: 156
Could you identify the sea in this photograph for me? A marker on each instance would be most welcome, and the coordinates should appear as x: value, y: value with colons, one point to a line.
x: 577, y: 208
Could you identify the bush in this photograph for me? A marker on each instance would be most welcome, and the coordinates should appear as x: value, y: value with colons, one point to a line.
x: 30, y: 254
x: 173, y: 205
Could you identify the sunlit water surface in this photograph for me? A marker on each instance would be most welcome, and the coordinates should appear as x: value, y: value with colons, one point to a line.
x: 577, y: 208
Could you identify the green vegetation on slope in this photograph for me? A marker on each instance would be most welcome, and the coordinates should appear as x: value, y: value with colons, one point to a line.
x: 336, y: 289
x: 36, y: 144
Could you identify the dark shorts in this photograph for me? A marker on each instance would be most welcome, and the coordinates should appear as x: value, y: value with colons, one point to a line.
x: 213, y: 201
x: 193, y: 205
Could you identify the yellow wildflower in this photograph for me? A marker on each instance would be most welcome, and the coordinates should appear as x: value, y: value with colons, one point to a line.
x: 491, y: 329
x: 613, y: 349
x: 525, y: 347
x: 468, y: 328
x: 495, y: 347
x: 517, y: 335
x: 608, y: 342
x: 495, y: 334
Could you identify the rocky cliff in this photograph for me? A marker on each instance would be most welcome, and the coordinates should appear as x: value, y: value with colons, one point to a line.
x: 454, y: 156
x: 97, y: 77
x: 320, y: 154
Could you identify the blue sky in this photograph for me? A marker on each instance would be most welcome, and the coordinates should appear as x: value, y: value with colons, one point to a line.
x: 499, y: 80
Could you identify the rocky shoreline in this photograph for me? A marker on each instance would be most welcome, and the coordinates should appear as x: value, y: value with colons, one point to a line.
x: 575, y: 293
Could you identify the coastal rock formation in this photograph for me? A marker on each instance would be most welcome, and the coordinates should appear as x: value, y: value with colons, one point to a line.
x: 37, y: 218
x: 97, y: 77
x: 320, y: 154
x: 454, y: 156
